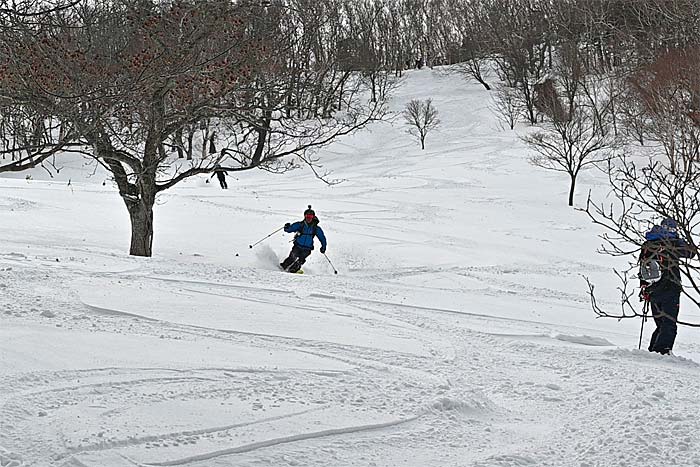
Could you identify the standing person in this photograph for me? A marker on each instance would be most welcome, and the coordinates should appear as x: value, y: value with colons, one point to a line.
x: 221, y: 176
x: 660, y: 278
x: 305, y: 230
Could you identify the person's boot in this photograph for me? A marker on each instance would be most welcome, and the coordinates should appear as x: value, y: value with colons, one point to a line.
x: 295, y: 266
x: 288, y: 263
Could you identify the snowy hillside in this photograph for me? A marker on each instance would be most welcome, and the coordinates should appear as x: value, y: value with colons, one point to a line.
x: 457, y: 332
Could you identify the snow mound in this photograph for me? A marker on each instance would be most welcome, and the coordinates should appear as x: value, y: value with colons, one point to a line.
x: 644, y: 355
x: 584, y: 340
x: 474, y: 405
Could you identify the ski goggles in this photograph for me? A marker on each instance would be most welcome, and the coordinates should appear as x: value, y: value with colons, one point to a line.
x: 308, y: 216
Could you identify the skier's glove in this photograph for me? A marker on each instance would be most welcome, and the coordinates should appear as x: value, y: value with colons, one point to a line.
x: 643, y: 294
x: 323, y: 250
x: 287, y: 225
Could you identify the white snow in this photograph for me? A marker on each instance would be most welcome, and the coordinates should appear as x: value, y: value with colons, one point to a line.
x: 457, y: 332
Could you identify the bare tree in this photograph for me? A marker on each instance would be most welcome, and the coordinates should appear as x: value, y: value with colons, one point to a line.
x: 642, y: 194
x: 519, y: 36
x: 506, y: 106
x: 573, y: 143
x: 421, y: 117
x: 547, y: 101
x: 475, y: 65
x: 366, y: 48
x: 632, y: 118
x: 466, y: 42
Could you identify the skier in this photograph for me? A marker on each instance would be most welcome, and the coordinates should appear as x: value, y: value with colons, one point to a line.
x: 305, y: 230
x: 661, y: 280
x: 221, y: 176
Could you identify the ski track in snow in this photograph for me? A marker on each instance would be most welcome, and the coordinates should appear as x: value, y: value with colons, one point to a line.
x: 462, y: 379
x: 283, y: 440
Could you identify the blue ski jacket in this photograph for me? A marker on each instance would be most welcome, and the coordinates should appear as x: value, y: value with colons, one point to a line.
x: 658, y: 232
x: 305, y: 234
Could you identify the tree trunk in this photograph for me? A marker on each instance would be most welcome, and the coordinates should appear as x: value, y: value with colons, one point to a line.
x: 529, y: 104
x: 139, y: 197
x: 572, y: 187
x: 190, y: 138
x: 141, y: 215
x: 475, y: 70
x: 483, y: 83
x: 263, y: 132
x: 178, y: 142
x: 340, y: 98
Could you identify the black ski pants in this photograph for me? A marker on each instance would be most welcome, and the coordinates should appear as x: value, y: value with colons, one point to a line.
x: 222, y: 180
x: 296, y: 258
x: 664, y: 308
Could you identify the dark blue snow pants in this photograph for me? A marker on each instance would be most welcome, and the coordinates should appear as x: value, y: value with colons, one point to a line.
x: 664, y: 308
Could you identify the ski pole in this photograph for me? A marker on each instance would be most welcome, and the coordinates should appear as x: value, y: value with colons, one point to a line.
x: 329, y: 262
x: 645, y: 308
x: 266, y: 237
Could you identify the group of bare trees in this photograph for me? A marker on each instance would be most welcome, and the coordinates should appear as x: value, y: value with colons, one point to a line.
x: 157, y: 92
x: 610, y: 84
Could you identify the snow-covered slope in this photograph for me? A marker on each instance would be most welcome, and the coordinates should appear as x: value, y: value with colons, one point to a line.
x: 457, y: 331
